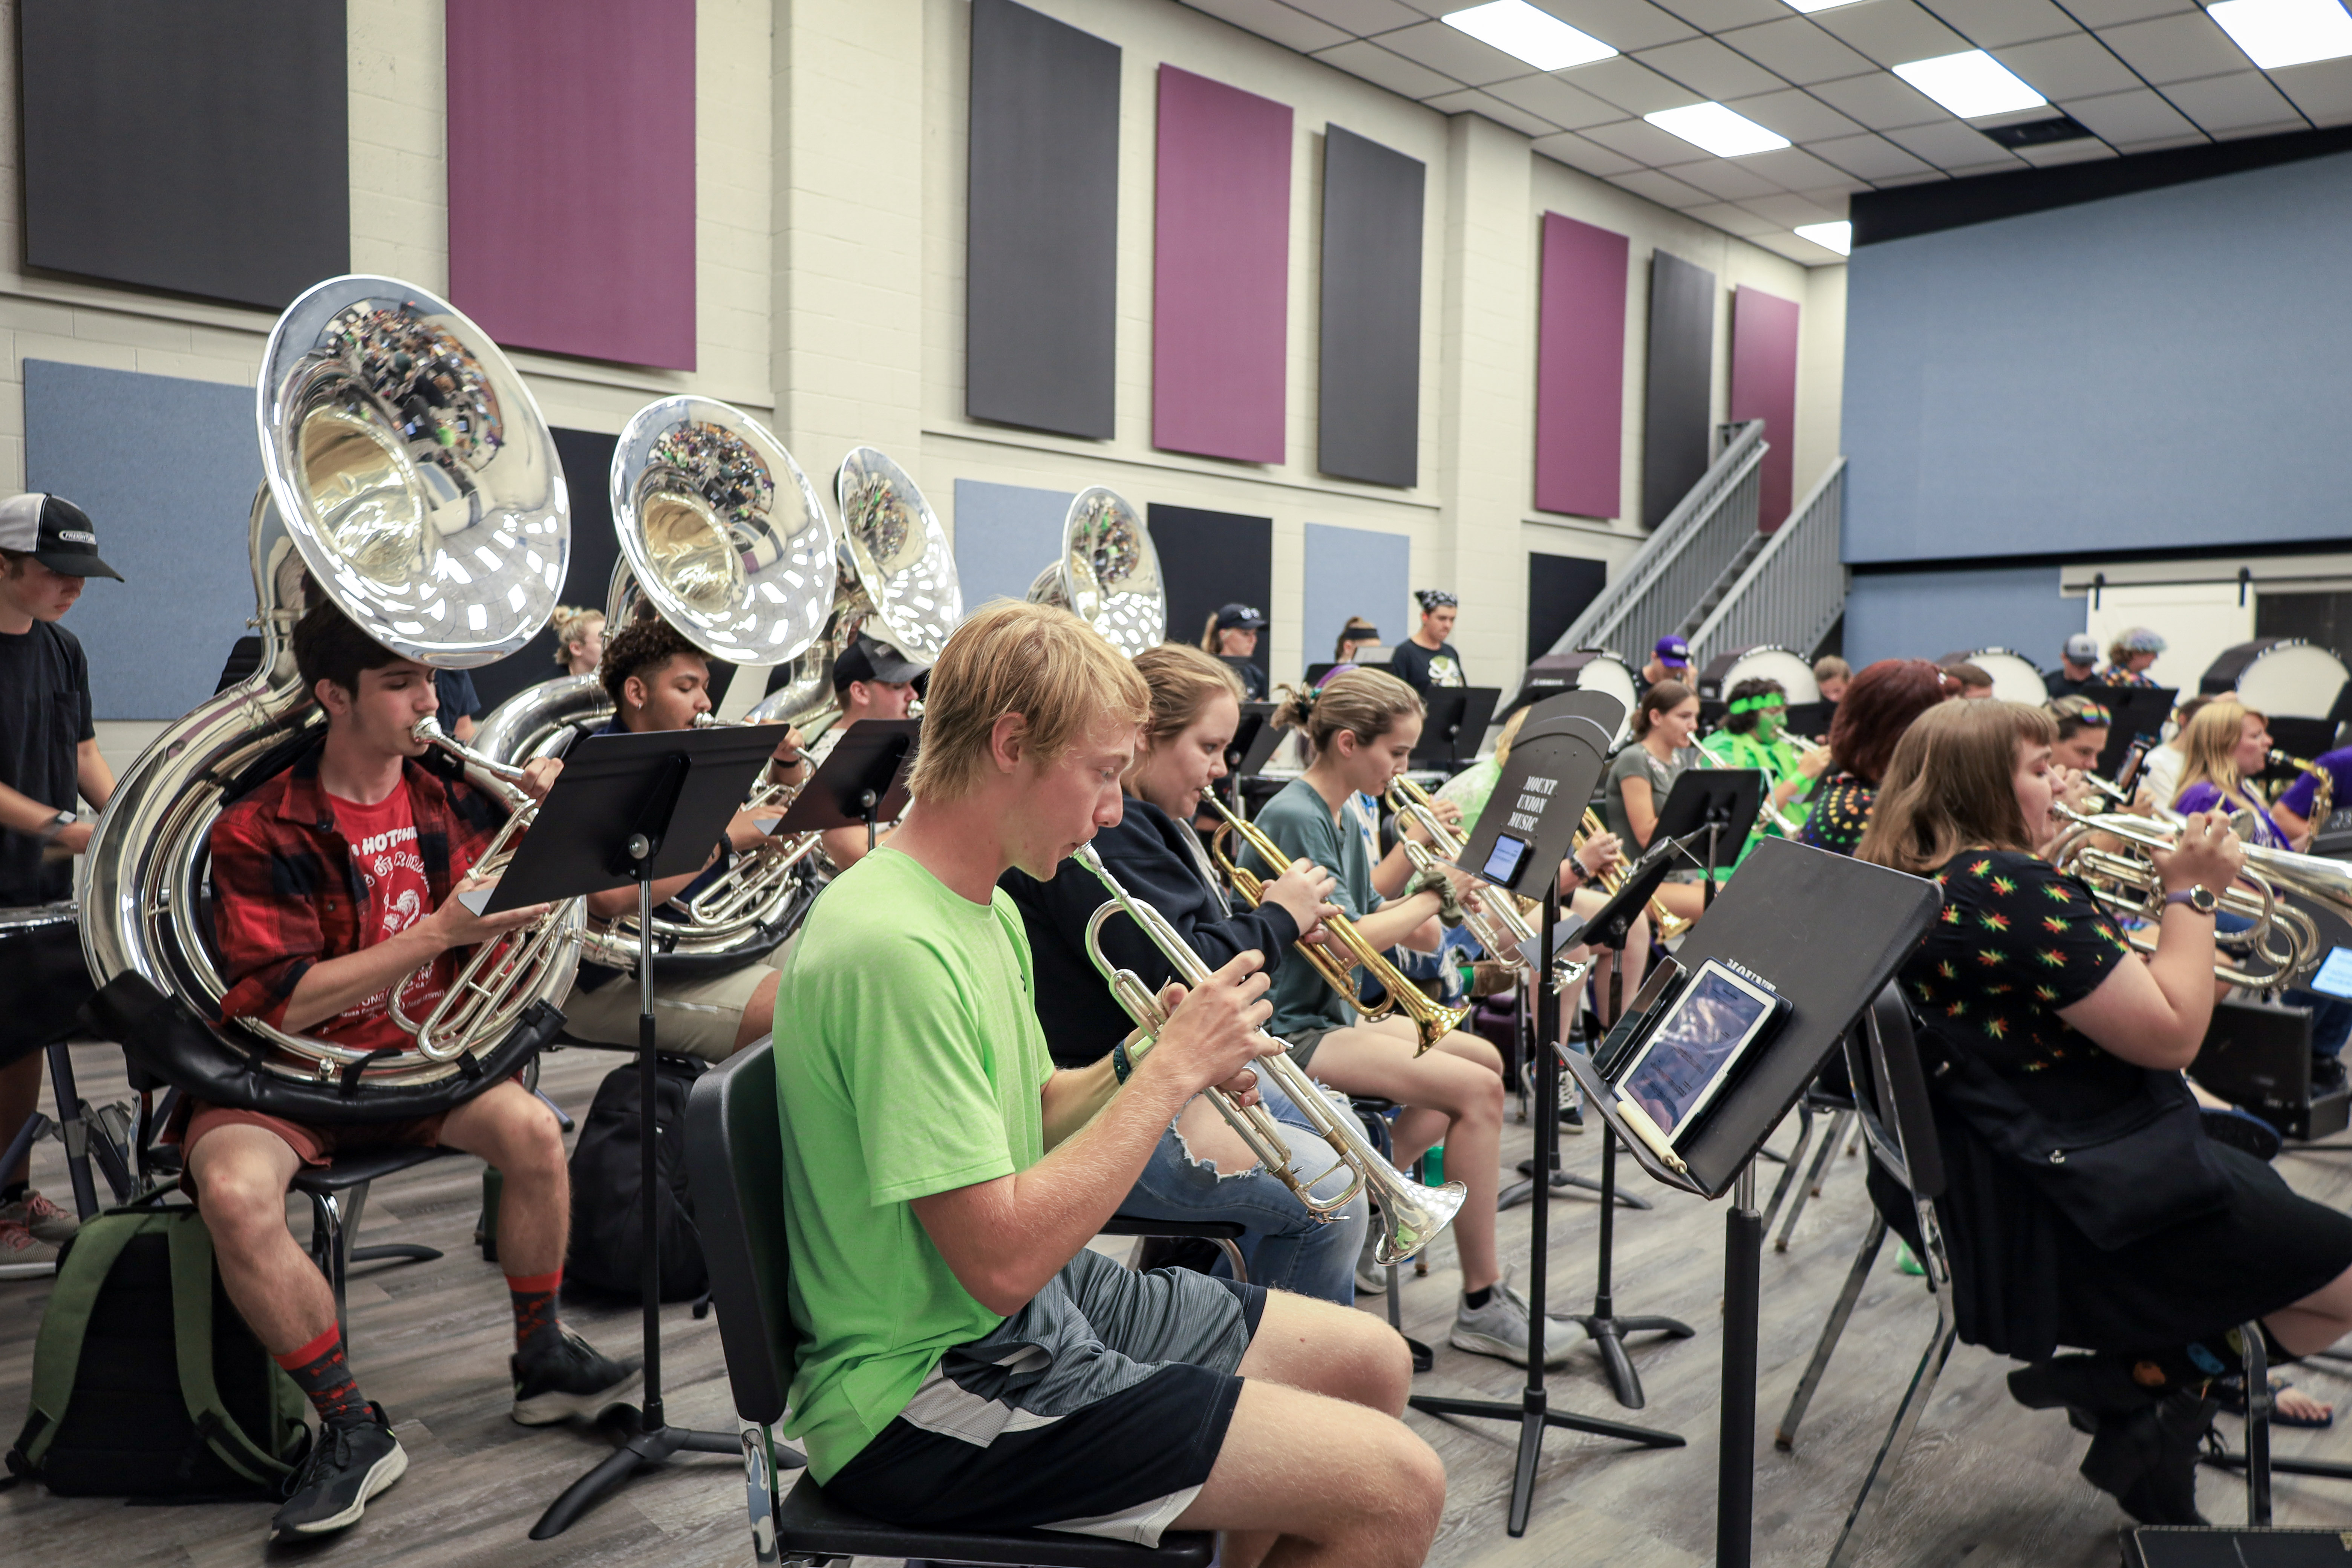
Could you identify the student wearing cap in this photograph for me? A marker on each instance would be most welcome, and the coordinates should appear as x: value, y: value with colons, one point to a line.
x: 2129, y: 655
x: 48, y: 757
x: 871, y: 679
x: 1426, y: 659
x: 1231, y: 636
x: 2078, y: 667
x: 1669, y: 661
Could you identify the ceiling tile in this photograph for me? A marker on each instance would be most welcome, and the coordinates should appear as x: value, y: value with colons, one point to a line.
x: 1836, y: 201
x: 1382, y: 68
x: 1881, y: 101
x: 1590, y: 156
x: 2164, y: 143
x: 1872, y: 158
x: 1273, y: 19
x: 1626, y: 25
x: 1557, y: 101
x: 2082, y: 150
x: 2107, y: 12
x: 1361, y: 16
x: 1796, y: 248
x: 2077, y: 66
x: 1629, y: 84
x: 1931, y: 177
x: 1454, y: 52
x: 1662, y: 189
x: 1731, y: 219
x: 1641, y: 139
x: 1892, y: 32
x: 1987, y: 23
x: 2176, y: 48
x: 2236, y: 103
x: 1951, y: 145
x: 1729, y: 178
x: 1797, y: 49
x: 1799, y: 116
x: 1790, y: 211
x: 1470, y: 100
x: 1794, y: 169
x: 2127, y: 117
x: 1709, y: 69
x: 2322, y: 89
x: 1722, y: 15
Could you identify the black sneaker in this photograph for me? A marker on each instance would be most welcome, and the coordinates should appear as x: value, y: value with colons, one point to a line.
x: 567, y: 1376
x: 1571, y: 1116
x: 348, y: 1465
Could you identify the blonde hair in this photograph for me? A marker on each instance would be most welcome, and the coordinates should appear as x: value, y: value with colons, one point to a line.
x: 570, y: 624
x: 2209, y: 743
x: 1366, y: 703
x: 1182, y: 680
x: 1504, y: 741
x: 1043, y: 663
x: 1950, y: 785
x: 1830, y: 667
x: 1209, y: 633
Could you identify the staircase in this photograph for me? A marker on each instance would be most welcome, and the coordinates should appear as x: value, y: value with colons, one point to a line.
x: 1786, y: 588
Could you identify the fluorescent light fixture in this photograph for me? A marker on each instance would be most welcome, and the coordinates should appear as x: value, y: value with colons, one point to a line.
x: 1524, y: 33
x: 1837, y: 236
x: 1808, y: 6
x: 1718, y: 130
x: 1971, y: 84
x: 2276, y: 33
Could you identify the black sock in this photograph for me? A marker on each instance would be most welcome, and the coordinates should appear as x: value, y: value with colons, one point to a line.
x: 1474, y: 1299
x: 14, y: 1192
x: 321, y: 1371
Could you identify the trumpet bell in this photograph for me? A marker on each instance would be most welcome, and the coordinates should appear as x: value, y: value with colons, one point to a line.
x: 1108, y: 573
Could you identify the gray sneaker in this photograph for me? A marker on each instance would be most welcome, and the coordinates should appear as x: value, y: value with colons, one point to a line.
x: 1372, y: 1277
x: 23, y: 1255
x: 1500, y: 1329
x: 42, y: 1218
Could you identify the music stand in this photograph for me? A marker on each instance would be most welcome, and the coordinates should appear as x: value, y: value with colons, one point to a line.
x: 2134, y: 711
x: 1711, y: 806
x: 1450, y: 713
x: 1521, y: 839
x: 635, y: 809
x: 863, y: 780
x: 1252, y: 747
x: 1770, y: 921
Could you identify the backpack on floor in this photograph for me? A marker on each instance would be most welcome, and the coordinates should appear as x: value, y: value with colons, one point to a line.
x: 146, y: 1383
x: 607, y: 1226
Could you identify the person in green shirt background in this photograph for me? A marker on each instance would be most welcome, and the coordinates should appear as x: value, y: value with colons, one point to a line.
x: 1755, y: 722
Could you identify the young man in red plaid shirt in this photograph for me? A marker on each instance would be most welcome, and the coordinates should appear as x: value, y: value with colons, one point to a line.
x: 334, y: 882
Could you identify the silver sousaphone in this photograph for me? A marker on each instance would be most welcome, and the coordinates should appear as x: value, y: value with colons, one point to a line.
x: 1108, y: 572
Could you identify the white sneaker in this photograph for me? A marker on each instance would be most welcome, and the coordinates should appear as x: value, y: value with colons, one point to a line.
x: 42, y: 1218
x: 1372, y: 1277
x: 23, y: 1255
x: 1500, y: 1329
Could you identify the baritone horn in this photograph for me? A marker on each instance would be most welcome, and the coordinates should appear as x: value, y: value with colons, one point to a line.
x: 1108, y: 572
x: 1411, y: 1214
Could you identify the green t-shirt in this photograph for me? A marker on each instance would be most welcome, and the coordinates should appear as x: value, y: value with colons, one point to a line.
x: 1778, y: 758
x: 1303, y: 826
x: 909, y: 1061
x: 1471, y: 789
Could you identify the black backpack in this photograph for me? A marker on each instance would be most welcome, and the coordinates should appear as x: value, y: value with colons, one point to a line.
x: 146, y: 1383
x: 607, y: 1227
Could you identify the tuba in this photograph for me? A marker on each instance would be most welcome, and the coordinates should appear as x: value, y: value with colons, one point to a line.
x: 410, y: 482
x: 1108, y: 573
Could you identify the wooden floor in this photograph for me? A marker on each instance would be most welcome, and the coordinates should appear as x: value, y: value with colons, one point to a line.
x: 1985, y: 1481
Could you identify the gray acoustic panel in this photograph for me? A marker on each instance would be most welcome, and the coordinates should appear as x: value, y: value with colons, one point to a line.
x: 1041, y: 224
x: 1369, y: 424
x: 1558, y: 587
x: 1676, y: 403
x: 195, y: 148
x: 1213, y: 558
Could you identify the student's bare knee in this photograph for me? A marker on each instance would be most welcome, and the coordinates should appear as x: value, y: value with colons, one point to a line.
x: 243, y: 1201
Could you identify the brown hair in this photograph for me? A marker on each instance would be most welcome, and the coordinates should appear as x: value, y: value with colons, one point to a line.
x: 1663, y: 698
x: 1968, y: 674
x: 2209, y: 743
x: 1036, y: 660
x: 1830, y: 667
x: 1182, y: 680
x: 647, y: 643
x: 1356, y: 627
x: 1366, y: 703
x: 2076, y: 713
x: 1878, y: 708
x: 327, y: 646
x: 14, y: 560
x: 1949, y: 787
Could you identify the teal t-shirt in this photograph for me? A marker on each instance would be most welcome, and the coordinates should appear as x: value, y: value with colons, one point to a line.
x: 1303, y: 826
x: 909, y: 1061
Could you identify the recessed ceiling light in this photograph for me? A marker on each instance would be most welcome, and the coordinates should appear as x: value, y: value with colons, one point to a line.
x: 1837, y: 236
x: 2276, y: 33
x: 1718, y: 130
x: 1521, y: 31
x: 1970, y: 84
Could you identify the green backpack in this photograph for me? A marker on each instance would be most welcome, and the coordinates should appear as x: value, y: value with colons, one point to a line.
x: 146, y: 1383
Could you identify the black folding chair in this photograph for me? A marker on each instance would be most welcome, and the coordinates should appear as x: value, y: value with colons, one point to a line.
x: 734, y: 1152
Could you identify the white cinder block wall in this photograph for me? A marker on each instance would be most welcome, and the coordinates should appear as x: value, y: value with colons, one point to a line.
x: 830, y: 237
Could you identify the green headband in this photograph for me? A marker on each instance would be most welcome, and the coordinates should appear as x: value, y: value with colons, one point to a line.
x: 1762, y: 703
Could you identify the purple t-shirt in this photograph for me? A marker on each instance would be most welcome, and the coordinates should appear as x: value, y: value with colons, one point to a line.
x: 2205, y: 796
x: 2299, y: 794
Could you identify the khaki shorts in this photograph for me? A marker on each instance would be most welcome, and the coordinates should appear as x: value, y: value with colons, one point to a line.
x: 696, y: 1017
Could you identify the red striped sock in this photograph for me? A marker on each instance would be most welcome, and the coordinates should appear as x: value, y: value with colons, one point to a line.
x: 534, y: 1306
x: 321, y: 1371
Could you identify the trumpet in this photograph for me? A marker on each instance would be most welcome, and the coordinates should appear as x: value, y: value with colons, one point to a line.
x: 1430, y: 1022
x: 1667, y: 925
x: 1504, y: 924
x: 1411, y: 1214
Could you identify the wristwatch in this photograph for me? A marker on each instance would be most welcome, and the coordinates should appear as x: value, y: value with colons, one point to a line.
x: 57, y: 824
x: 2202, y: 899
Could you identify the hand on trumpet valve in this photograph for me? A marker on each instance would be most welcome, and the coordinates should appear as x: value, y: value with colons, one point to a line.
x: 790, y: 752
x: 1304, y: 891
x: 1598, y: 853
x: 1814, y: 761
x: 539, y: 776
x: 2208, y: 855
x: 1213, y: 1035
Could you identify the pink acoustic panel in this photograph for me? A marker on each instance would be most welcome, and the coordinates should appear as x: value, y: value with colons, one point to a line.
x: 571, y: 175
x: 1581, y: 369
x: 1219, y: 290
x: 1764, y: 386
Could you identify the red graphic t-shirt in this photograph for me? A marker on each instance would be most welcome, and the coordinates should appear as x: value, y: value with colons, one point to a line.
x: 382, y: 837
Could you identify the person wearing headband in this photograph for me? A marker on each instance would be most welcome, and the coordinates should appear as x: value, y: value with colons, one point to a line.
x: 2082, y: 725
x: 1356, y: 636
x: 1426, y: 660
x: 1755, y: 720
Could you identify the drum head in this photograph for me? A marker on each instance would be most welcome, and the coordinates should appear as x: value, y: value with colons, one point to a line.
x: 1762, y: 662
x: 2015, y: 677
x: 2288, y: 678
x: 1607, y: 672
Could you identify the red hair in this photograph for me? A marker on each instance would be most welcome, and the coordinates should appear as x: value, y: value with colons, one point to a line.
x: 1879, y: 705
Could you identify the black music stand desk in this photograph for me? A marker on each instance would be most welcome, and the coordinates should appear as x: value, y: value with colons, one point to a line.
x: 1717, y: 804
x: 862, y: 780
x: 2133, y: 712
x: 635, y: 809
x: 1828, y: 932
x: 1453, y: 714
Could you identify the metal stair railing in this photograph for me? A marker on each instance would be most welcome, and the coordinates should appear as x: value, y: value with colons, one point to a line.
x: 1654, y: 591
x: 1793, y: 591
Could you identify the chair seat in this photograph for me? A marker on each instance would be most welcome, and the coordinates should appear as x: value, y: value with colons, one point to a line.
x: 807, y: 1520
x: 1205, y: 1229
x: 347, y: 1171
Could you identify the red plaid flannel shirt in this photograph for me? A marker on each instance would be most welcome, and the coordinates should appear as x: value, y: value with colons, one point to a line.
x: 285, y: 893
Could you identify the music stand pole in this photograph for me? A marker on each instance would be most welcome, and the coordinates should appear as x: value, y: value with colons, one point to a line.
x: 1561, y: 1181
x: 1735, y: 1486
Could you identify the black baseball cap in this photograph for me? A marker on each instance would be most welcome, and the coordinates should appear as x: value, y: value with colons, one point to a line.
x: 54, y: 533
x: 1239, y: 618
x: 870, y: 660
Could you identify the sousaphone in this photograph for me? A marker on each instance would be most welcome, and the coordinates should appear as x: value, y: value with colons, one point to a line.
x: 1108, y: 572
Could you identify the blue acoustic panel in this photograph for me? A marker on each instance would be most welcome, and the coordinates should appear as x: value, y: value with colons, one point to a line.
x: 1356, y: 571
x: 1004, y: 535
x: 1927, y: 614
x: 166, y: 468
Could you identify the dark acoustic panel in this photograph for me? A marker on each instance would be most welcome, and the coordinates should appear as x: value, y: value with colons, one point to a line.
x: 1558, y: 587
x: 1674, y: 410
x: 587, y: 459
x: 1369, y: 420
x: 194, y: 148
x: 1041, y: 271
x: 1213, y: 558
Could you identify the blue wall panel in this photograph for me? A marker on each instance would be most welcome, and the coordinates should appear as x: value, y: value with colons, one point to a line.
x: 2161, y: 369
x: 1356, y: 571
x: 1927, y: 614
x: 166, y: 468
x: 1004, y: 535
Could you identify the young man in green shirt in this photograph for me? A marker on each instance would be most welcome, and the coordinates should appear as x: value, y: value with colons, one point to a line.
x: 964, y: 1359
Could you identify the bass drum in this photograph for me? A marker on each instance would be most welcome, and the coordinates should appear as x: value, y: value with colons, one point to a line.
x: 2281, y: 677
x: 2015, y: 677
x: 1580, y: 670
x: 1764, y: 661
